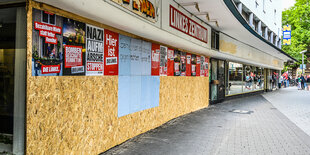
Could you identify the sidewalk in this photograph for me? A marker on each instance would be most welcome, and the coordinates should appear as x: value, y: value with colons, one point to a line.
x: 248, y: 126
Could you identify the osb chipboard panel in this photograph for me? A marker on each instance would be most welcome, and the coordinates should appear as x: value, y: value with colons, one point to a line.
x: 78, y: 114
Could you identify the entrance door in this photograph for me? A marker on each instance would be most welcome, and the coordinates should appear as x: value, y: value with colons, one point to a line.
x: 217, y: 88
x: 12, y: 79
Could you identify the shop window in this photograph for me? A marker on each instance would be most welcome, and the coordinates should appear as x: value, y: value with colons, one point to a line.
x: 48, y: 17
x: 215, y: 38
x: 235, y: 81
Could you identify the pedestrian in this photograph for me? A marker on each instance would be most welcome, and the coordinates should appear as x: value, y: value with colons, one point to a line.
x: 299, y: 83
x: 303, y: 81
x: 288, y: 81
x: 280, y: 81
x: 285, y: 80
x: 308, y: 82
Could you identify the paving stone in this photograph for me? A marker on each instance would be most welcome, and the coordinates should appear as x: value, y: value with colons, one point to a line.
x: 216, y: 130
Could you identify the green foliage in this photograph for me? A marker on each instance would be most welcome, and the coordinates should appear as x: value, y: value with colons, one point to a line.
x: 298, y: 17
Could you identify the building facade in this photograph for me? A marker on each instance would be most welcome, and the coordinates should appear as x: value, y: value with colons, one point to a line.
x: 83, y: 76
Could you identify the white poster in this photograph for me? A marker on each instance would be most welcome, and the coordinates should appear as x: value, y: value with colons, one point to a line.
x: 94, y: 51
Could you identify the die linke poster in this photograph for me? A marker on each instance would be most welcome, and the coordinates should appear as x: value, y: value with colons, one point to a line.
x: 163, y: 61
x: 177, y: 63
x: 47, y: 52
x: 183, y: 64
x: 188, y: 64
x: 198, y: 59
x: 74, y: 47
x: 111, y: 57
x: 170, y: 62
x: 155, y: 59
x: 94, y: 50
x: 193, y: 63
x: 202, y: 68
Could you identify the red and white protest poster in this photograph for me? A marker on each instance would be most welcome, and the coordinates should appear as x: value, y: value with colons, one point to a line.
x: 183, y: 63
x: 73, y: 56
x: 48, y: 69
x: 48, y: 31
x: 170, y: 63
x: 188, y: 64
x: 206, y: 67
x: 202, y: 67
x: 193, y: 68
x: 198, y: 65
x: 110, y: 53
x: 155, y: 59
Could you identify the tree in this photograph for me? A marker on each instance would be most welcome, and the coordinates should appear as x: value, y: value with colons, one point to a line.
x: 298, y: 17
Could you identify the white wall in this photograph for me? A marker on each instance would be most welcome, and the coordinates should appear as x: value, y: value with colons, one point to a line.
x: 267, y: 17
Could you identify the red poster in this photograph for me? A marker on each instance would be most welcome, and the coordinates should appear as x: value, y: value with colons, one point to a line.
x: 48, y: 69
x: 193, y: 63
x: 206, y: 67
x: 188, y: 64
x: 170, y: 63
x: 197, y: 65
x: 110, y: 53
x: 155, y: 59
x: 73, y: 56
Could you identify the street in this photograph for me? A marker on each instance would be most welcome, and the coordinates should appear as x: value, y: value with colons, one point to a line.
x: 271, y: 123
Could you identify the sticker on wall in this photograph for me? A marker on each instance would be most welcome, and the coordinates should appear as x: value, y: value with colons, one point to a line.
x: 47, y: 51
x: 124, y: 56
x: 177, y: 63
x: 146, y: 58
x: 136, y: 52
x: 170, y: 62
x: 155, y: 59
x: 110, y: 53
x: 163, y: 61
x: 198, y: 59
x: 183, y: 64
x: 188, y: 64
x: 94, y: 50
x: 74, y: 47
x: 194, y: 62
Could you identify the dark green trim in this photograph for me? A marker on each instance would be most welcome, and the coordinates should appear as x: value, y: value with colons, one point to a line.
x: 231, y: 6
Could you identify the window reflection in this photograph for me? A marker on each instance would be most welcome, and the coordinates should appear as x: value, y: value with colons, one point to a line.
x: 244, y: 78
x: 235, y: 84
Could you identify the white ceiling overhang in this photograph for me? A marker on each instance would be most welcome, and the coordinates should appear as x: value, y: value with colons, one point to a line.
x: 224, y: 17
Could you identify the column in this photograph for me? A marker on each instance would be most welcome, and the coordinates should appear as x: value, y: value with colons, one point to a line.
x: 239, y: 7
x: 251, y: 19
x: 259, y: 27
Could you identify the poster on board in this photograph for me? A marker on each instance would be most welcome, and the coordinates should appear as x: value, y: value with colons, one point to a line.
x: 193, y: 63
x: 188, y: 64
x: 198, y: 59
x: 135, y: 56
x: 170, y: 62
x: 74, y: 47
x: 124, y: 56
x: 206, y: 67
x: 163, y: 61
x: 47, y: 51
x: 202, y: 66
x: 183, y: 64
x: 111, y: 44
x: 94, y: 51
x: 177, y: 63
x: 155, y: 59
x: 146, y: 58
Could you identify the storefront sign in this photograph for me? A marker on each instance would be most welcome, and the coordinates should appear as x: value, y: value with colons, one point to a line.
x: 73, y: 56
x: 144, y: 8
x: 48, y: 69
x: 181, y: 22
x: 94, y: 50
x: 110, y: 53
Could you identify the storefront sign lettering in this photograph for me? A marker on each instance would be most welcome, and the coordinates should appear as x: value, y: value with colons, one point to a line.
x: 181, y: 22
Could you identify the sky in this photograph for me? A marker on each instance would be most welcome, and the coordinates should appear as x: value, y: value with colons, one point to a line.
x: 287, y: 3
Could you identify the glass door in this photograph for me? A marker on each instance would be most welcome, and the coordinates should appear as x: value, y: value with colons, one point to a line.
x: 217, y: 84
x: 12, y: 79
